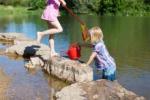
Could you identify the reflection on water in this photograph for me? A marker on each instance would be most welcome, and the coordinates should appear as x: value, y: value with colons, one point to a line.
x: 127, y: 39
x: 29, y: 84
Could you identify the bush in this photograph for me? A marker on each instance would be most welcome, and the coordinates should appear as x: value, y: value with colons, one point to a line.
x: 94, y: 5
x: 102, y: 7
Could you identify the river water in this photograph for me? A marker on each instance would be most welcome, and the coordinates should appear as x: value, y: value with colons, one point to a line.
x: 127, y: 39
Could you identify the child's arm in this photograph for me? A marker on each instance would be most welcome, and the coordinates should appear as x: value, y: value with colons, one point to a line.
x: 63, y: 2
x: 93, y: 55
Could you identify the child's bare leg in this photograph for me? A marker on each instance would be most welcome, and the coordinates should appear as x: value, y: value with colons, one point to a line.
x: 39, y: 36
x: 52, y: 45
x: 57, y: 28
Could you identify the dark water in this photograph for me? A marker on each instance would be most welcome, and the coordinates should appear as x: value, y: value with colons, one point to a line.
x: 127, y: 39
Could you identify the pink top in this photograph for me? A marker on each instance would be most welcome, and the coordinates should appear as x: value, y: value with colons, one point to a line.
x: 51, y: 12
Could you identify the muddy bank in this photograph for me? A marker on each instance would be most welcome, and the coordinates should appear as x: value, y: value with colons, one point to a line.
x: 4, y: 84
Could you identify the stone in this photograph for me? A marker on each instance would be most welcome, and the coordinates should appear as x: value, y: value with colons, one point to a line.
x: 34, y: 62
x: 29, y: 65
x: 11, y: 37
x: 28, y: 48
x: 96, y: 90
x: 69, y: 70
x: 39, y: 54
x: 74, y: 93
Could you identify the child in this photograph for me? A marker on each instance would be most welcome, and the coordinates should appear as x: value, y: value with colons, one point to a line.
x: 103, y: 60
x: 50, y: 14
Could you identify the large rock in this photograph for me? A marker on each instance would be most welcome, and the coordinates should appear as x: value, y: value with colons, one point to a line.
x: 96, y: 90
x: 29, y: 48
x: 70, y: 70
x: 61, y: 67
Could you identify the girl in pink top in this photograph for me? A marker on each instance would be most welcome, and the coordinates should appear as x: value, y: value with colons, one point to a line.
x: 50, y: 14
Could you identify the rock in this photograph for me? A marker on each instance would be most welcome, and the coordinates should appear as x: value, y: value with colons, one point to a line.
x: 72, y: 92
x: 2, y: 51
x: 34, y: 62
x: 29, y: 65
x: 66, y: 69
x: 11, y: 37
x: 61, y: 67
x: 29, y: 48
x: 69, y: 70
x: 96, y: 90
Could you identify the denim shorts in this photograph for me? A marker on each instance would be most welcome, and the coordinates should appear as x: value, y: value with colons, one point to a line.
x: 109, y: 74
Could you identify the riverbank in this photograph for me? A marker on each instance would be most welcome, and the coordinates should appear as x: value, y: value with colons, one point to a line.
x: 4, y: 83
x: 15, y: 11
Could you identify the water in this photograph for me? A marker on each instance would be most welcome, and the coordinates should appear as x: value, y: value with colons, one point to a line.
x: 28, y: 84
x: 127, y: 39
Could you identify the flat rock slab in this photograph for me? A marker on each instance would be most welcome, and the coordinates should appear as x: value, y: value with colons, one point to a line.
x: 96, y: 90
x: 29, y: 48
x: 10, y: 37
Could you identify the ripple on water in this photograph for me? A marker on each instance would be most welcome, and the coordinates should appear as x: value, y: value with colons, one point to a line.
x: 29, y: 84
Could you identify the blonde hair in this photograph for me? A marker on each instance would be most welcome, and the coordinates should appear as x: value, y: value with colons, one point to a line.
x: 96, y: 34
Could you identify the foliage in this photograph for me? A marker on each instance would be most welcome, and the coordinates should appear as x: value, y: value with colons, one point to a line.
x: 94, y: 5
x: 17, y: 11
x: 102, y: 7
x: 112, y: 7
x: 37, y: 3
x: 125, y: 7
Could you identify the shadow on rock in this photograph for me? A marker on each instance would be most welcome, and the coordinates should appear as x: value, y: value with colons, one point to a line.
x: 30, y: 51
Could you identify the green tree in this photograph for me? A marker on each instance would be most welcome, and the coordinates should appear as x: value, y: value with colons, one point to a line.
x: 37, y: 3
x: 102, y: 7
x: 94, y: 5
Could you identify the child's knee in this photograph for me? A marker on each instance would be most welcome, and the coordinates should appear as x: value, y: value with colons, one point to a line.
x: 60, y: 29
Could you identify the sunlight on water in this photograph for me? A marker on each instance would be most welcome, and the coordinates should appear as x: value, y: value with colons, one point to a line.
x: 127, y: 39
x: 29, y: 84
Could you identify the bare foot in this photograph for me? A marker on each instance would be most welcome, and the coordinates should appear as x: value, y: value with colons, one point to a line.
x: 39, y: 36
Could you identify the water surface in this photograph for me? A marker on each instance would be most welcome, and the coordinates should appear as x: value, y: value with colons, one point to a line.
x: 127, y: 39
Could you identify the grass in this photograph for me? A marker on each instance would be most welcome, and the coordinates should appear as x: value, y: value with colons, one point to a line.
x: 16, y: 11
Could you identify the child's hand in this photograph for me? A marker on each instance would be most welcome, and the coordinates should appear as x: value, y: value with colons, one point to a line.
x: 84, y: 65
x: 63, y: 3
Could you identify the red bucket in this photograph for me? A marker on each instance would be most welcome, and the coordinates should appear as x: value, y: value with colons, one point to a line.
x: 74, y: 51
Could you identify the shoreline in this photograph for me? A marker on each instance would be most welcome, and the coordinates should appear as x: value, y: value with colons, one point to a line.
x: 4, y: 81
x: 7, y: 10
